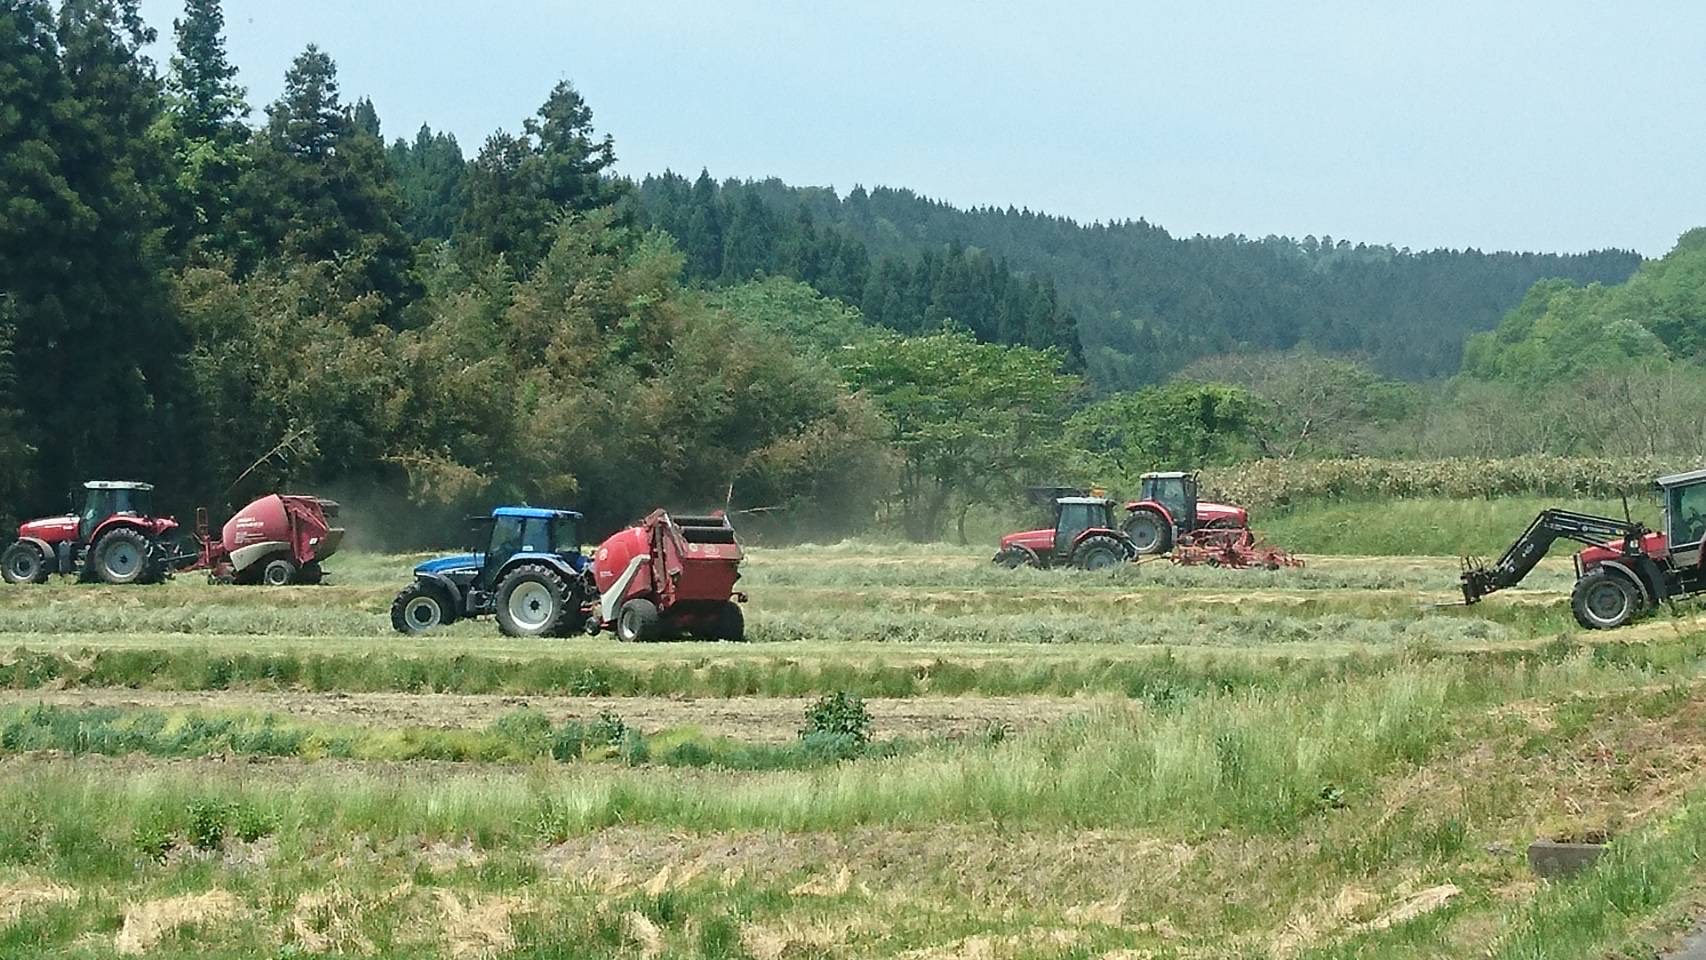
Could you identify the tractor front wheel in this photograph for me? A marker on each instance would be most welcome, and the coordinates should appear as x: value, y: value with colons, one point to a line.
x: 23, y: 563
x: 1149, y: 533
x: 124, y: 556
x: 1099, y: 553
x: 638, y: 621
x: 420, y: 607
x: 531, y: 600
x: 1604, y: 600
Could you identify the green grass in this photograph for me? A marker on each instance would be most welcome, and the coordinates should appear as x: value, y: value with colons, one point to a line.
x: 1423, y: 527
x: 1254, y: 752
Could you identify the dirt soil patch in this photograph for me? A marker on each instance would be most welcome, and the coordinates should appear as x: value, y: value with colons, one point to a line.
x: 772, y: 719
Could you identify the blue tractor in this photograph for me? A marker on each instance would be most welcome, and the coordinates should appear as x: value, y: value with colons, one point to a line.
x: 524, y: 564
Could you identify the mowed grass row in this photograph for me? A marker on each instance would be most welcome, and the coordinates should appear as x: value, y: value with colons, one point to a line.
x: 1240, y: 824
x: 1154, y: 675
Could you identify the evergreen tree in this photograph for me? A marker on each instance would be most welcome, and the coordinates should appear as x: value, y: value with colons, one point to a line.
x: 206, y: 109
x: 320, y: 188
x: 518, y: 187
x: 429, y: 174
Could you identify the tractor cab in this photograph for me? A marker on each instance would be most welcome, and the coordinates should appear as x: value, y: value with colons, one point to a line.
x: 104, y: 499
x: 513, y: 531
x: 1175, y: 491
x: 1685, y: 515
x: 1075, y: 515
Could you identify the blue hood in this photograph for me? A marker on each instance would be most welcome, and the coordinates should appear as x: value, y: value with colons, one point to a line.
x: 456, y: 561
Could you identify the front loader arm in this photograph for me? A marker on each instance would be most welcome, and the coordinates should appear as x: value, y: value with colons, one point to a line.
x: 1548, y: 528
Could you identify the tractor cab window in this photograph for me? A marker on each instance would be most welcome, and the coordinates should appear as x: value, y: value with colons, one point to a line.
x: 1177, y: 494
x: 101, y: 503
x: 565, y: 539
x: 1685, y: 509
x: 1075, y: 518
x: 536, y: 535
x: 506, y: 537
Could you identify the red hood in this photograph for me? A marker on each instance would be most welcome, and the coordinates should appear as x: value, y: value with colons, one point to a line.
x: 51, y: 529
x: 1040, y: 541
x: 1653, y: 545
x: 1208, y: 513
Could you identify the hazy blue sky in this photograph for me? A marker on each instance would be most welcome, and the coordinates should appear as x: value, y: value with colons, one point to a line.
x: 1554, y: 126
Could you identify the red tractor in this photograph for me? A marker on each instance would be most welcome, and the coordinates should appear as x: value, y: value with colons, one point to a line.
x: 1083, y: 536
x: 1624, y: 570
x: 114, y: 539
x: 1167, y: 513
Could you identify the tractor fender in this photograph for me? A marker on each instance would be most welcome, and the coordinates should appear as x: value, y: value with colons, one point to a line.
x: 243, y: 558
x: 451, y: 591
x: 552, y: 560
x: 47, y: 555
x: 1153, y: 507
x: 1640, y: 583
x: 1031, y: 558
x: 611, y: 599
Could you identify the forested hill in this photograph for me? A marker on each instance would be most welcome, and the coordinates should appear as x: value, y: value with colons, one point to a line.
x: 1145, y: 302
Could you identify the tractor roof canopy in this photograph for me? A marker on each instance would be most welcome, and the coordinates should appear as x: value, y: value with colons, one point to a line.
x: 1166, y: 475
x: 1682, y: 479
x: 535, y: 513
x: 1090, y: 500
x: 117, y: 485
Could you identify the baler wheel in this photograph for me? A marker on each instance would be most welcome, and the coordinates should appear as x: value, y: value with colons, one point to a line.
x: 419, y: 607
x: 730, y: 623
x: 1148, y: 532
x: 310, y: 573
x: 637, y: 621
x: 278, y: 572
x: 23, y: 563
x: 124, y: 556
x: 531, y: 600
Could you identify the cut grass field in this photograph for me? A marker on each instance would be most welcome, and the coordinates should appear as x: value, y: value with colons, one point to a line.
x: 1154, y: 762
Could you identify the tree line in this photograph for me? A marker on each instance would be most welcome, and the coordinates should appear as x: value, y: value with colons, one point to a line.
x: 193, y: 291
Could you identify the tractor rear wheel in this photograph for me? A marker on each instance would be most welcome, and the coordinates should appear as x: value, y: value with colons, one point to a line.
x: 421, y: 606
x: 638, y: 621
x: 23, y: 563
x: 278, y: 572
x: 1099, y: 553
x: 532, y: 600
x: 1149, y: 533
x: 1604, y: 600
x: 124, y: 556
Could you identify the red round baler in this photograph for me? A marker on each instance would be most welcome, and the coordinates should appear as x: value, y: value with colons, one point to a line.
x: 668, y: 577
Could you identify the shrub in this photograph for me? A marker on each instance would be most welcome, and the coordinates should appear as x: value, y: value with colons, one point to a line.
x: 839, y: 713
x: 207, y: 819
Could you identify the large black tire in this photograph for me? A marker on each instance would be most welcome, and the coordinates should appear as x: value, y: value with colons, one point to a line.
x: 637, y: 621
x: 23, y: 563
x: 532, y: 601
x: 1015, y: 557
x: 124, y: 556
x: 1099, y: 552
x: 1605, y: 600
x: 420, y: 607
x: 310, y: 574
x: 730, y: 623
x: 1149, y: 532
x: 278, y: 572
